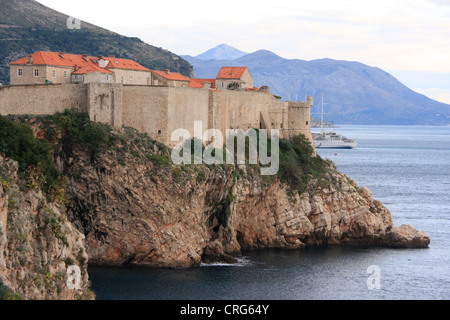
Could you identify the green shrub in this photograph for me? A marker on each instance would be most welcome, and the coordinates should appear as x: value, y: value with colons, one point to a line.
x: 18, y: 143
x: 158, y: 159
x: 77, y: 128
x: 7, y: 294
x: 297, y: 163
x: 135, y: 154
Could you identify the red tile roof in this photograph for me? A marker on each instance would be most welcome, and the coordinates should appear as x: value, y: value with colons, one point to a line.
x: 200, y: 83
x: 92, y: 68
x: 231, y: 72
x: 171, y: 75
x: 72, y: 60
x: 124, y: 64
x: 54, y: 59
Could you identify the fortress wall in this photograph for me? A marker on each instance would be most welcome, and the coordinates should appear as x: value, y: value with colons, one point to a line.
x: 42, y: 99
x: 185, y: 107
x: 105, y: 103
x: 217, y: 111
x: 245, y: 110
x: 278, y: 115
x: 159, y: 111
x: 145, y: 108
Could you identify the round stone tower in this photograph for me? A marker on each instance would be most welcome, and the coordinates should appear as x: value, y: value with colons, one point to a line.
x: 300, y: 118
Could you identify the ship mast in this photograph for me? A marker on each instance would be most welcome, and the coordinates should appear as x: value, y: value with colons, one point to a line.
x: 321, y: 121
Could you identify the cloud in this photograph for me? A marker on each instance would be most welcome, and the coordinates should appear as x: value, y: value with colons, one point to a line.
x: 444, y: 2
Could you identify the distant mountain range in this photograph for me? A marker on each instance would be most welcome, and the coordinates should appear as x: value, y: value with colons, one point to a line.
x: 27, y: 26
x: 353, y: 93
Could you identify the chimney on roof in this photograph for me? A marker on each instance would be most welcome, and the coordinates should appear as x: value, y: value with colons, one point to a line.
x: 85, y: 57
x: 167, y: 71
x: 112, y: 56
x: 61, y: 54
x: 30, y: 59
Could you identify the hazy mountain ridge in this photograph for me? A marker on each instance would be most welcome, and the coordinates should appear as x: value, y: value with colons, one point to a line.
x: 354, y: 93
x: 27, y: 26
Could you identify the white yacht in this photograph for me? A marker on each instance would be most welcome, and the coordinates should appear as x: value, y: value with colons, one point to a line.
x: 331, y: 139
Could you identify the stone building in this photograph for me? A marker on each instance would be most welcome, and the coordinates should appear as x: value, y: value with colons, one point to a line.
x: 167, y: 78
x: 232, y: 78
x: 53, y: 67
x: 92, y: 74
x: 202, y: 83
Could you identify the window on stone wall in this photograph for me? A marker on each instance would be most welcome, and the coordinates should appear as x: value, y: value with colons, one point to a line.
x: 36, y: 72
x: 54, y: 73
x: 20, y: 72
x: 307, y: 122
x: 65, y: 74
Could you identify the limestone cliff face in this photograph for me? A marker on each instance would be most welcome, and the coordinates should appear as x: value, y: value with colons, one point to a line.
x: 144, y: 213
x: 136, y: 211
x: 334, y: 211
x: 128, y: 204
x: 37, y: 243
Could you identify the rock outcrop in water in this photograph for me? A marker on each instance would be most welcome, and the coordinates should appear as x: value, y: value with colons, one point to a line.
x: 133, y: 206
x: 133, y: 210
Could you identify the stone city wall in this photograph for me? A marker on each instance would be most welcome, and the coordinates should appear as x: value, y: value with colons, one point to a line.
x: 42, y: 99
x: 159, y: 111
x: 145, y: 108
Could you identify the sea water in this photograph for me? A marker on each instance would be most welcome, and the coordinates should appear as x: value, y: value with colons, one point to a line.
x: 405, y: 167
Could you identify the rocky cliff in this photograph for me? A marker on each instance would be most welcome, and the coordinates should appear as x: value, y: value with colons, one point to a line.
x: 135, y: 207
x: 126, y: 203
x: 37, y: 244
x: 142, y: 213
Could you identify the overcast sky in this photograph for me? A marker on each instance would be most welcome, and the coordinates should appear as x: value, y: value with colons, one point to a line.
x: 409, y: 39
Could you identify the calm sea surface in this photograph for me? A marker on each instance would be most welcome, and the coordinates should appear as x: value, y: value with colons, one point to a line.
x: 405, y: 167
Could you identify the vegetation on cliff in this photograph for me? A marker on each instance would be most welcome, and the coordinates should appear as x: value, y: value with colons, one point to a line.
x: 298, y: 165
x: 74, y: 128
x: 71, y: 129
x: 34, y: 156
x: 6, y: 293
